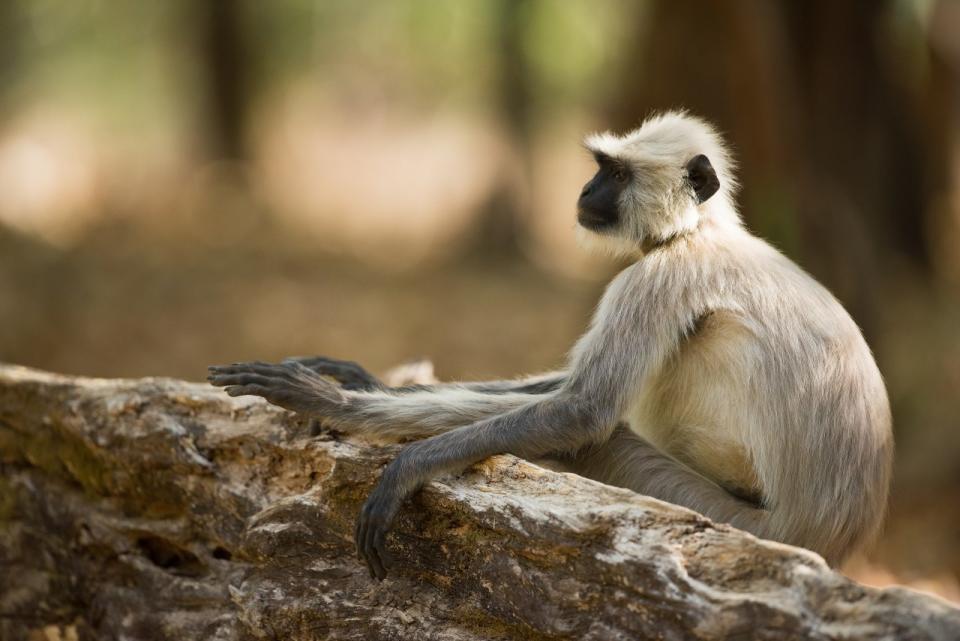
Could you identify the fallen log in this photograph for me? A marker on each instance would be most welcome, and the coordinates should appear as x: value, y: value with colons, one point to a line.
x: 160, y: 509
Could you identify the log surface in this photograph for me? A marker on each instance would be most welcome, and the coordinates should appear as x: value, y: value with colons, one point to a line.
x: 161, y: 509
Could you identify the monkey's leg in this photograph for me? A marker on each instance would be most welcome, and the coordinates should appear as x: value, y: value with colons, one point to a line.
x: 411, y: 414
x: 353, y: 376
x: 627, y: 460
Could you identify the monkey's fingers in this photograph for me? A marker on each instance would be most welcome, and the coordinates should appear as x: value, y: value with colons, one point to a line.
x: 366, y: 532
x: 359, y: 537
x: 250, y: 390
x: 289, y: 385
x: 325, y: 363
x: 223, y: 380
x: 273, y: 370
x: 372, y: 554
x: 251, y: 367
x: 380, y: 545
x: 371, y: 532
x: 350, y: 375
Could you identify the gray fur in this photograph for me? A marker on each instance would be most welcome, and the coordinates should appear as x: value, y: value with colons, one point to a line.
x: 715, y: 374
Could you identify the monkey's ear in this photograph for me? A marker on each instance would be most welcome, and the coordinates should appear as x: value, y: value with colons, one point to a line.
x: 702, y: 178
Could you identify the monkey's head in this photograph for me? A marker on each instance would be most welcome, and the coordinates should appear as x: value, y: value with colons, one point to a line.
x: 656, y: 182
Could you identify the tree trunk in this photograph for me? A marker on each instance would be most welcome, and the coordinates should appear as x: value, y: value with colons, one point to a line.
x: 158, y: 509
x: 502, y: 229
x: 223, y: 50
x: 844, y: 148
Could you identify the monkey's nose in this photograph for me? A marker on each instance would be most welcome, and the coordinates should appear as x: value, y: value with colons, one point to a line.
x: 586, y: 189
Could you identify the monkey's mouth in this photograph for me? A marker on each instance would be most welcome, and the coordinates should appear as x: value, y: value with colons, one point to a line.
x: 593, y: 220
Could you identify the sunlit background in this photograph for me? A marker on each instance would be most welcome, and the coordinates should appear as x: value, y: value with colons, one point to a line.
x: 201, y: 181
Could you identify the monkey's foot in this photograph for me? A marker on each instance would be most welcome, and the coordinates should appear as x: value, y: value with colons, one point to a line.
x: 350, y: 375
x: 288, y: 384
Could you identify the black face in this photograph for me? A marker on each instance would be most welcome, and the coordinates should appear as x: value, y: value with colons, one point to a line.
x: 599, y: 204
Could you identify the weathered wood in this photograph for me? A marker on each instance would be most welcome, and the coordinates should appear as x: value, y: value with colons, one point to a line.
x: 159, y: 509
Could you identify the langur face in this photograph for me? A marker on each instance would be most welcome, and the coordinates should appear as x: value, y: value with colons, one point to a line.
x: 642, y: 195
x: 600, y: 203
x: 598, y: 208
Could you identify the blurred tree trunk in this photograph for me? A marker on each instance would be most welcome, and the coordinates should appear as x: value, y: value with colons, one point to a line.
x: 937, y: 109
x: 223, y: 49
x: 722, y: 61
x: 860, y: 136
x: 836, y: 155
x: 502, y: 227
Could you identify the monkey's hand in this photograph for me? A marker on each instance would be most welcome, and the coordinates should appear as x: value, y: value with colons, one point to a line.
x: 350, y: 375
x: 288, y: 384
x: 400, y: 480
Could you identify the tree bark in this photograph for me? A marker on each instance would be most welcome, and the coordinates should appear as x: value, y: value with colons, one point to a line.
x: 160, y: 509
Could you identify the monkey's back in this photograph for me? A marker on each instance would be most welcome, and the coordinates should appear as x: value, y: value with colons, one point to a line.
x: 832, y: 461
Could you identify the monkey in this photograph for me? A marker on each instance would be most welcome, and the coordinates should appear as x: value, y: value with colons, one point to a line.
x: 715, y: 373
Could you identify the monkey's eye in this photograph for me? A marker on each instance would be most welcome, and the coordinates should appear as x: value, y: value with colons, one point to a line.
x: 620, y: 175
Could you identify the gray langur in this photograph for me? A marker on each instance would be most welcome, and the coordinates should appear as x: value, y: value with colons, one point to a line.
x: 715, y: 374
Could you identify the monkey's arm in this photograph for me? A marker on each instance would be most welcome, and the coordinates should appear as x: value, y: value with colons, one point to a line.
x: 627, y: 460
x: 631, y: 334
x: 522, y: 424
x: 394, y: 414
x: 629, y: 338
x: 561, y: 421
x: 353, y: 376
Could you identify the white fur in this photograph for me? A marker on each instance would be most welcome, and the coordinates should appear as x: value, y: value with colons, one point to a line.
x: 657, y: 205
x: 737, y: 374
x: 756, y: 378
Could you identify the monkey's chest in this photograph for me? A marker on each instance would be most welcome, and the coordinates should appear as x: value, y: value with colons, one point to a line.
x: 699, y: 409
x: 707, y: 450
